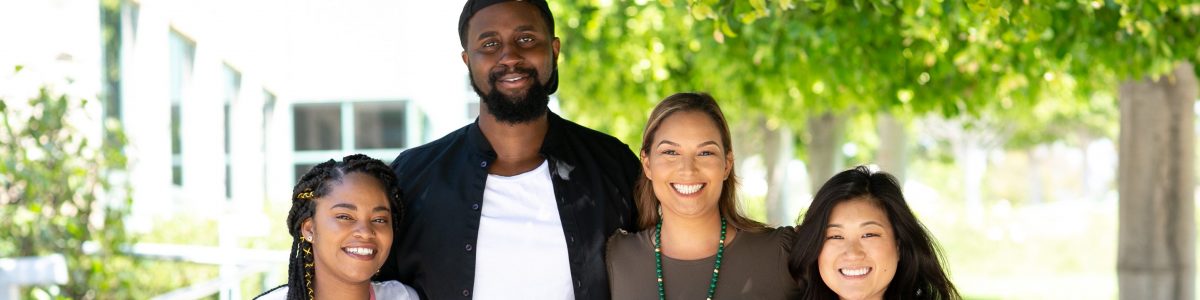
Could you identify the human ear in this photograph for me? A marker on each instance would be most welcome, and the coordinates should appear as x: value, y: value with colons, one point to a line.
x: 306, y: 230
x: 728, y: 163
x: 646, y: 165
x: 554, y: 45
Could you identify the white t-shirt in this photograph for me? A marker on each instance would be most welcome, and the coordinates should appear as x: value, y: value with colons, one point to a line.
x: 383, y: 291
x: 522, y: 250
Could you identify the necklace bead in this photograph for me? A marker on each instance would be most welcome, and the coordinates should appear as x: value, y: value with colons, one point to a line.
x: 658, y: 268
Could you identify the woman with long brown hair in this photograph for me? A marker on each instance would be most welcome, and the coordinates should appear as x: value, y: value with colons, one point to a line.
x: 694, y: 242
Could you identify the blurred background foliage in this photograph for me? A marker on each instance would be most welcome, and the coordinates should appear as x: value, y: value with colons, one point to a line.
x: 1030, y: 63
x: 52, y: 179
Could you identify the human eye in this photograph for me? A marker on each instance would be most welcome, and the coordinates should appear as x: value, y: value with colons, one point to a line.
x: 525, y: 39
x: 707, y: 153
x: 834, y: 237
x: 669, y: 152
x: 490, y: 44
x: 344, y: 217
x: 868, y: 235
x: 380, y: 220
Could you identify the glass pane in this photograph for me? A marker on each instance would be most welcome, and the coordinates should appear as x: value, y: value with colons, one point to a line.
x: 182, y: 52
x: 176, y: 139
x: 228, y: 181
x: 233, y: 83
x: 318, y: 126
x: 379, y: 125
x: 472, y: 110
x: 228, y: 128
x: 268, y: 116
x: 300, y: 169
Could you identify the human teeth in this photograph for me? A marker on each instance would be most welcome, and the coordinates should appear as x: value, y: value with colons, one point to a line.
x: 687, y: 189
x: 514, y: 79
x: 855, y: 272
x: 361, y: 251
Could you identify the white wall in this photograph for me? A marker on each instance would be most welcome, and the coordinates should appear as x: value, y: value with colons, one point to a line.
x: 299, y: 50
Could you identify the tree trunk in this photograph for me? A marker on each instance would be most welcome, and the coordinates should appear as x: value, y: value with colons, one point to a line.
x: 1037, y: 158
x: 824, y: 145
x: 778, y: 153
x: 1157, y: 233
x: 972, y: 161
x: 892, y: 156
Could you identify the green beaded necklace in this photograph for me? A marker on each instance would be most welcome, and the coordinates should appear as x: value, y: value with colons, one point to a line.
x: 658, y: 266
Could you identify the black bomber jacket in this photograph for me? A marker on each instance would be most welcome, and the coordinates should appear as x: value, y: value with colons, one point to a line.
x: 441, y: 187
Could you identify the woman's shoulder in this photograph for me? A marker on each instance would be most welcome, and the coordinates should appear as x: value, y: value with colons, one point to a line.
x: 393, y: 290
x: 277, y: 293
x: 622, y: 242
x: 777, y: 236
x: 383, y: 290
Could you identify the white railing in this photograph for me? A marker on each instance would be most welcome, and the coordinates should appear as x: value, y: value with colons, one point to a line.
x: 34, y: 270
x: 236, y: 264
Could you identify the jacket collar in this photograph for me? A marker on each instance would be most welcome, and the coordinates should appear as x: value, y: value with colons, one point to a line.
x: 554, y: 132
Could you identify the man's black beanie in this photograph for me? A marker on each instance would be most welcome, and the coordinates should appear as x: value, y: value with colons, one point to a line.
x: 474, y: 6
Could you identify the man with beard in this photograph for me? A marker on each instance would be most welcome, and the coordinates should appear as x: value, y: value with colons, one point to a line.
x: 518, y: 204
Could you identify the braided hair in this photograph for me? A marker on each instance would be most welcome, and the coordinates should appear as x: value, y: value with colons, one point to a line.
x: 316, y: 184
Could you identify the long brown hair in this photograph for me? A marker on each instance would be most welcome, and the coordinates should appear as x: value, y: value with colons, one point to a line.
x: 648, y: 203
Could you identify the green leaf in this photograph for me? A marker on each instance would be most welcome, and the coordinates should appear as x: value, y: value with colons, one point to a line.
x: 830, y: 6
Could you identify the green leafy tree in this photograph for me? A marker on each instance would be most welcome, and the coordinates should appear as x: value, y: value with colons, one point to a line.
x: 57, y: 192
x: 808, y: 66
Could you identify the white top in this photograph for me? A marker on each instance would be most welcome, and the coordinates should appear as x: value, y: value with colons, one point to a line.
x: 522, y: 250
x: 383, y: 291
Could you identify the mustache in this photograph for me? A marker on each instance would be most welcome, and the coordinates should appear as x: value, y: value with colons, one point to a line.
x: 495, y: 75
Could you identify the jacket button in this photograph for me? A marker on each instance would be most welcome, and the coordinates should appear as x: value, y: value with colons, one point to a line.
x: 578, y: 283
x: 483, y: 164
x: 468, y: 247
x: 466, y: 293
x: 571, y: 239
x: 475, y: 206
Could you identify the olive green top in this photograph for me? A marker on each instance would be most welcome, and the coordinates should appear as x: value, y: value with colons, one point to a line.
x: 754, y: 266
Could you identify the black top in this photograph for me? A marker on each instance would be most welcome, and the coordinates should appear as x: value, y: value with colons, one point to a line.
x: 442, y: 186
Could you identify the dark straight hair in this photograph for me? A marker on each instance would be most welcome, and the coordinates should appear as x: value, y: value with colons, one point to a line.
x: 647, y: 202
x: 919, y: 273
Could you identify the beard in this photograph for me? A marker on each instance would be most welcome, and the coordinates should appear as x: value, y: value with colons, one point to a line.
x: 516, y: 109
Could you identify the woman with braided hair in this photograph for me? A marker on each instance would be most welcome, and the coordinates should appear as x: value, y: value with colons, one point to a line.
x: 343, y: 217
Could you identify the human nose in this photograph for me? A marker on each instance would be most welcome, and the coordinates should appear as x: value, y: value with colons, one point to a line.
x: 687, y: 164
x: 363, y: 230
x: 854, y: 249
x: 510, y: 56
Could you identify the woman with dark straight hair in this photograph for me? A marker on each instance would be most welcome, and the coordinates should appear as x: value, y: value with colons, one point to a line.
x: 859, y: 240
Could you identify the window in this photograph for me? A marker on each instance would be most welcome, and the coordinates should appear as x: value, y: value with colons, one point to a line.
x: 182, y: 53
x: 331, y: 130
x: 379, y: 125
x: 318, y: 126
x: 232, y: 81
x: 268, y: 116
x: 472, y: 110
x: 301, y: 169
x: 134, y: 12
